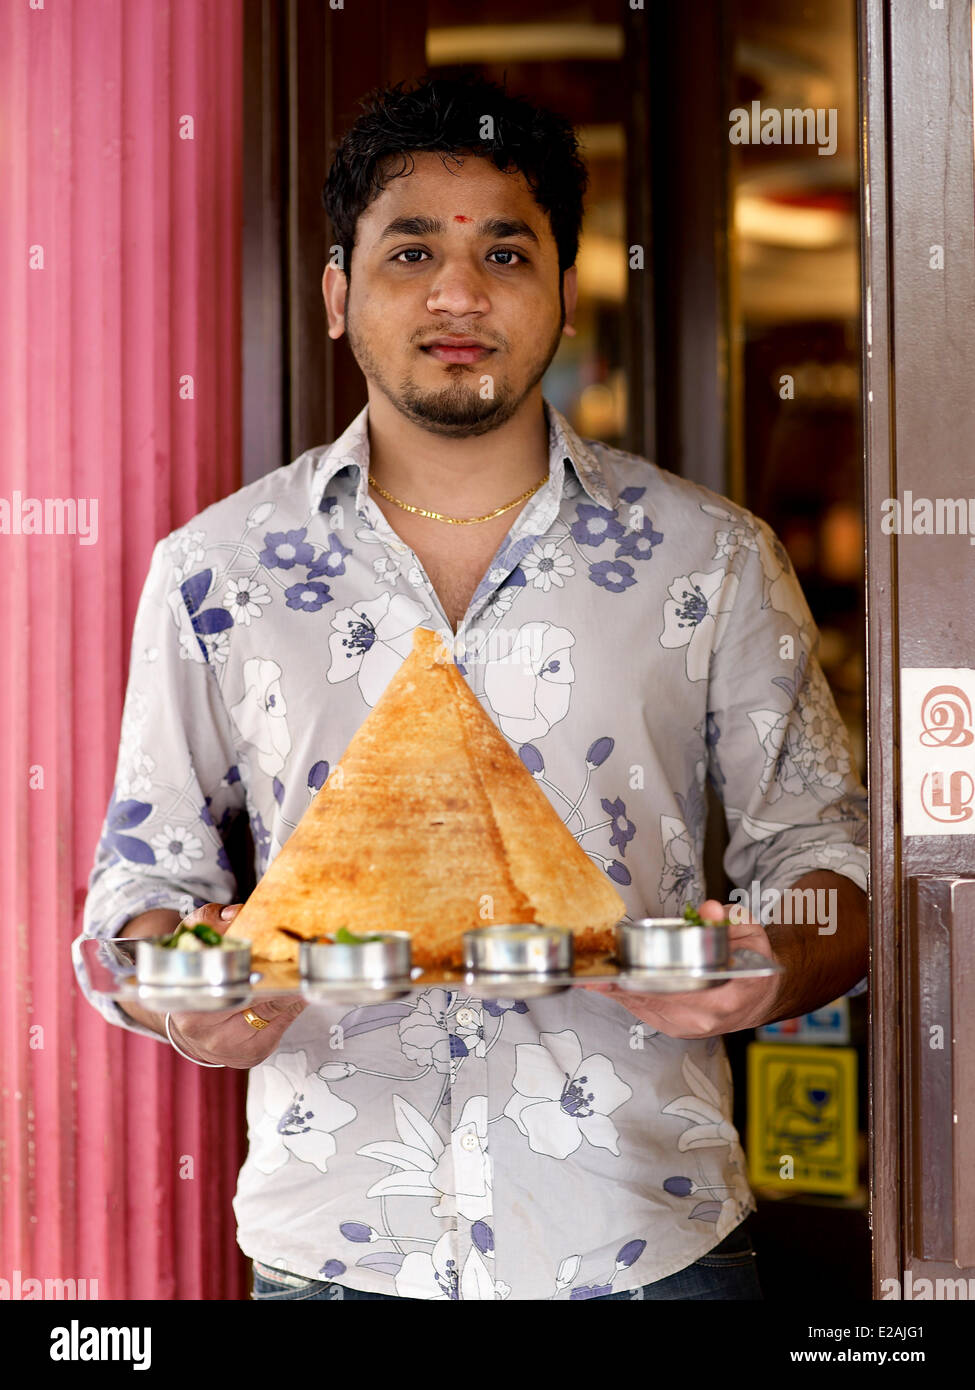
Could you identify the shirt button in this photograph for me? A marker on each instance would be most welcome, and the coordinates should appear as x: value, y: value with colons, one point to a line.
x: 468, y: 1018
x: 469, y: 1142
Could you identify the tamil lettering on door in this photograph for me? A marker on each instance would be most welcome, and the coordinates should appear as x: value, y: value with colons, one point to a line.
x: 938, y: 751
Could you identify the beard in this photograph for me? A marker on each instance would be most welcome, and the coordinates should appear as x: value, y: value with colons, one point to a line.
x: 456, y: 409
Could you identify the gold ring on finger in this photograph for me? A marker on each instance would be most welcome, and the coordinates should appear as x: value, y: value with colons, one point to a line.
x: 254, y: 1019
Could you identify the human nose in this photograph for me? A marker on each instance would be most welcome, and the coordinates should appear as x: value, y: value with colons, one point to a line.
x: 458, y: 290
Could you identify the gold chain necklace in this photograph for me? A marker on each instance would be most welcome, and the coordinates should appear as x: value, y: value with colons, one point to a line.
x: 457, y: 520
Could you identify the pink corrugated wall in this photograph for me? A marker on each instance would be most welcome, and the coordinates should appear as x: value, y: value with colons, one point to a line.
x: 139, y: 230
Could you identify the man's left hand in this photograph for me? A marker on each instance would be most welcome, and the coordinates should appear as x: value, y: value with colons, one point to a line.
x: 724, y: 1008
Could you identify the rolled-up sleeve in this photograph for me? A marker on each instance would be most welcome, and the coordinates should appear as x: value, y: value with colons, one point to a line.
x: 780, y: 755
x: 177, y: 786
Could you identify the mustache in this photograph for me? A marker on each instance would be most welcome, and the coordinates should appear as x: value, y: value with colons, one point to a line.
x: 422, y: 336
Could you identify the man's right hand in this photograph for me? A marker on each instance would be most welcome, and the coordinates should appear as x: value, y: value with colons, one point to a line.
x: 224, y: 1037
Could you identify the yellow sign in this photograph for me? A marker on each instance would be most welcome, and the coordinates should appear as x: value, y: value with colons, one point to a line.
x: 802, y: 1117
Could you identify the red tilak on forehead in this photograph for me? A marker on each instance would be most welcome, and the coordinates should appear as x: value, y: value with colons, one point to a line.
x: 459, y: 217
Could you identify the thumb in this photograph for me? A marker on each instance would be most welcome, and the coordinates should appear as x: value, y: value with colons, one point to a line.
x: 212, y: 915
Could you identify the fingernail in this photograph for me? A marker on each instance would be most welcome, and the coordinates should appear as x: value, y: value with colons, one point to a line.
x: 229, y: 911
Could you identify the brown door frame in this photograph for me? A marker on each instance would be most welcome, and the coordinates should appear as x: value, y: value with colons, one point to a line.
x: 917, y: 177
x: 682, y: 363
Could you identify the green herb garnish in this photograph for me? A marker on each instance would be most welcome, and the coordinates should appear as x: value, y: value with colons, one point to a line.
x: 347, y: 938
x: 206, y: 934
x: 692, y: 915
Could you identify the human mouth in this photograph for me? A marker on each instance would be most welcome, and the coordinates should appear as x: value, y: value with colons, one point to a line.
x: 457, y: 349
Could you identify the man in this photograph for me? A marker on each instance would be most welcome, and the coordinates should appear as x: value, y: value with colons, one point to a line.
x: 579, y: 1145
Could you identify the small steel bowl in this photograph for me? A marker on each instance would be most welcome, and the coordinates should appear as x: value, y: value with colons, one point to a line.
x: 344, y: 973
x: 216, y: 977
x: 519, y: 955
x: 653, y: 948
x: 213, y: 965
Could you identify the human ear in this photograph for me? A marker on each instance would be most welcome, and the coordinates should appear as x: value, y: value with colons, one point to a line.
x: 335, y: 289
x: 570, y: 294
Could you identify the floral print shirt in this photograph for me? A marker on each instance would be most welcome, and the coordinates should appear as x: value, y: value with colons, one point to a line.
x: 634, y: 635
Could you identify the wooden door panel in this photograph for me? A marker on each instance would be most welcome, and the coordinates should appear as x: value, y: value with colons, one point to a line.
x: 928, y: 1065
x: 940, y: 1080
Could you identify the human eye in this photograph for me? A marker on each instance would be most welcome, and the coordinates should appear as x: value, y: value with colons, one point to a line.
x: 411, y: 251
x: 508, y: 251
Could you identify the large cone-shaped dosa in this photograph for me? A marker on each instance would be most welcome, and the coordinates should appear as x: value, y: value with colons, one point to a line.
x: 430, y: 824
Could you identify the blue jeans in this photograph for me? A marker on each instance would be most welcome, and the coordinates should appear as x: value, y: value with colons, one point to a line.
x: 726, y: 1272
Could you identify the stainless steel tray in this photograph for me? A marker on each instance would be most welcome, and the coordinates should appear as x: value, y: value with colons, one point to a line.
x: 111, y: 971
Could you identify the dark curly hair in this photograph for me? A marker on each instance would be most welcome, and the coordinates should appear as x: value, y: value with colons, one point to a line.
x: 445, y: 115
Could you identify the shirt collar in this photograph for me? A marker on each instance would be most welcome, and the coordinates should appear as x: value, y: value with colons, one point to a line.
x: 566, y: 448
